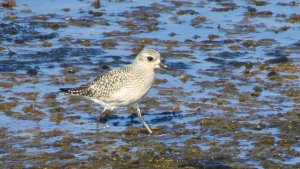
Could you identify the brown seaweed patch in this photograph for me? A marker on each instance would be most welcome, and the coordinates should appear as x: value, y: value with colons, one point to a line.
x: 79, y: 22
x: 52, y: 25
x: 280, y: 29
x: 28, y: 95
x: 84, y: 42
x: 234, y: 47
x: 11, y: 17
x: 95, y: 13
x: 66, y: 9
x: 212, y: 37
x: 96, y: 4
x: 7, y: 106
x: 9, y: 4
x: 295, y: 18
x: 6, y: 85
x: 186, y: 12
x: 254, y: 13
x: 31, y: 111
x: 144, y: 41
x: 291, y: 92
x: 101, y: 22
x: 265, y: 140
x: 116, y: 33
x: 259, y: 3
x: 66, y: 141
x: 249, y: 43
x: 65, y: 39
x: 226, y: 6
x: 57, y: 114
x: 291, y: 3
x: 171, y: 43
x: 40, y: 17
x: 265, y: 42
x: 151, y: 28
x: 258, y: 127
x: 46, y: 44
x: 196, y: 22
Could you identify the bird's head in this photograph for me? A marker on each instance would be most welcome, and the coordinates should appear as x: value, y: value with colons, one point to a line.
x: 150, y: 58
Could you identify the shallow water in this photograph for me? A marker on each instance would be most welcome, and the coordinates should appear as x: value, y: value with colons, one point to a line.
x: 231, y: 102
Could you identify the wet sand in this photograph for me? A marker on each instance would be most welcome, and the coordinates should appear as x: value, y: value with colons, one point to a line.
x: 232, y: 102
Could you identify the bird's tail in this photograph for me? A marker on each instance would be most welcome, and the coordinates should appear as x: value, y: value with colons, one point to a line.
x: 65, y: 90
x: 68, y: 90
x: 82, y: 90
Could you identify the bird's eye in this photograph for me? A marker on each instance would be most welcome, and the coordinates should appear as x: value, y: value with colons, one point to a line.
x: 150, y: 58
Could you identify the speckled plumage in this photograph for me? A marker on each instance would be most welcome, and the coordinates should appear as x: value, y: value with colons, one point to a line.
x: 119, y: 87
x: 122, y: 86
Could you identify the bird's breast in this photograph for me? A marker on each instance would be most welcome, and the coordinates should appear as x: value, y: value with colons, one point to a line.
x: 135, y: 89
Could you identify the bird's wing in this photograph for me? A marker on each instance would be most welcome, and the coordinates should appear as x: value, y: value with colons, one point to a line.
x: 109, y: 83
x: 106, y: 86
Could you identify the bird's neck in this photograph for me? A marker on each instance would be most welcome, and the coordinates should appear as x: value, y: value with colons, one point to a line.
x: 142, y: 67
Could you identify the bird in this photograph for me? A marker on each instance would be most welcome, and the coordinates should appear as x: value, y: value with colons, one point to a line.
x: 123, y: 86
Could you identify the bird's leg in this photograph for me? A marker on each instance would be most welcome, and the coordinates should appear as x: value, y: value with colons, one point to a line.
x: 142, y: 119
x: 100, y: 115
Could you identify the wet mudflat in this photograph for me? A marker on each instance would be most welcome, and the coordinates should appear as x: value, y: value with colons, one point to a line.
x: 232, y: 102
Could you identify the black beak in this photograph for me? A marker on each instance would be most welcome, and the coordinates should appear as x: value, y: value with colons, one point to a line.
x: 163, y: 66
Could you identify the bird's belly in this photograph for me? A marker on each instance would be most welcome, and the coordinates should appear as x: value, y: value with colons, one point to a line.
x: 131, y: 95
x: 122, y: 97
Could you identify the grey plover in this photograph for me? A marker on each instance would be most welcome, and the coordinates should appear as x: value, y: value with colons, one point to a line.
x: 123, y: 86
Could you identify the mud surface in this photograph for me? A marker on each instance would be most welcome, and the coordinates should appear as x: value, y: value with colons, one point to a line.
x: 232, y: 102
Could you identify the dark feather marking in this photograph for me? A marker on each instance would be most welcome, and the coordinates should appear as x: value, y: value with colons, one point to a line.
x: 81, y: 90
